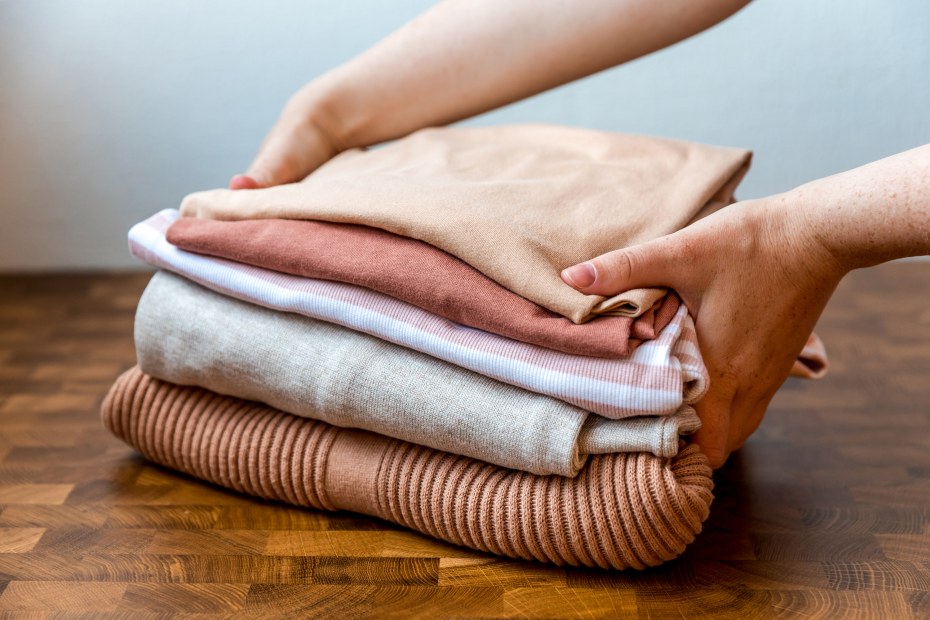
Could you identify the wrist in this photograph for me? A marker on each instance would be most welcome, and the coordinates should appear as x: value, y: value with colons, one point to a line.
x: 806, y: 232
x: 871, y: 214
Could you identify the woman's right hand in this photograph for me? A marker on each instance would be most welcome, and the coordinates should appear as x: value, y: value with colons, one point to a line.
x: 755, y: 282
x: 757, y: 274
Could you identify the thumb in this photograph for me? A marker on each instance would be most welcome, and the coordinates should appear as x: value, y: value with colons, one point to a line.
x: 280, y: 160
x: 289, y: 153
x: 653, y: 263
x: 265, y: 172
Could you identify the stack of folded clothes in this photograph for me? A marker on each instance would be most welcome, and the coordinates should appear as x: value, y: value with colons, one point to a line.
x: 391, y: 336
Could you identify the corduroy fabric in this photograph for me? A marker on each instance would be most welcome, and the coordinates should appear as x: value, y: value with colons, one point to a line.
x: 517, y: 203
x: 189, y: 335
x: 621, y: 511
x: 421, y: 275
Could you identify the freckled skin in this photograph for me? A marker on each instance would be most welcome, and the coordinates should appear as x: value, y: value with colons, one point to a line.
x: 757, y: 275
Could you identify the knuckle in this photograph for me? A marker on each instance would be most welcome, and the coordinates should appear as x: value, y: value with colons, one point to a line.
x: 615, y: 267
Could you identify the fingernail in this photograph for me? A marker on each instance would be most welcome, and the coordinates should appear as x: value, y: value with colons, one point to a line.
x: 243, y: 181
x: 580, y: 276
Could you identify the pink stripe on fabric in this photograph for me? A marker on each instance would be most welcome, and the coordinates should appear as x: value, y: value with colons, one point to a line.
x: 595, y: 368
x: 651, y: 381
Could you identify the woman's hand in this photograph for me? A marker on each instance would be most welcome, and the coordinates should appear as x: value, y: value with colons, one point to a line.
x: 461, y: 58
x: 756, y: 275
x: 755, y: 279
x: 303, y: 138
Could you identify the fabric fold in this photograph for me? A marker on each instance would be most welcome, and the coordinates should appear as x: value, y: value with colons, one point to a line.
x: 188, y: 335
x: 422, y: 275
x: 659, y: 376
x: 517, y: 203
x: 624, y: 510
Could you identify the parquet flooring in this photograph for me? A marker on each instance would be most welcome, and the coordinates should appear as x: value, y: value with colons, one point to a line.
x: 825, y: 513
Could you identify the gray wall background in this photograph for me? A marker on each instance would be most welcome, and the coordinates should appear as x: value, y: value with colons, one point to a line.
x: 110, y: 111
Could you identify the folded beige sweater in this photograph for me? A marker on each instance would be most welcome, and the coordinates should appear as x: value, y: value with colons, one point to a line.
x: 189, y: 335
x: 622, y: 510
x: 518, y: 203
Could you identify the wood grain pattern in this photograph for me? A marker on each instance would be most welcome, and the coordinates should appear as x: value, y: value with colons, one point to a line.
x: 824, y: 514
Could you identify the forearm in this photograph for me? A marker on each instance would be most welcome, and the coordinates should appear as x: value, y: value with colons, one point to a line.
x: 872, y: 214
x: 463, y: 57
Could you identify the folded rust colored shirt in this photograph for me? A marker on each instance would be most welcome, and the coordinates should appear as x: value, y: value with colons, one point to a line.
x: 622, y: 510
x: 421, y: 275
x: 517, y: 203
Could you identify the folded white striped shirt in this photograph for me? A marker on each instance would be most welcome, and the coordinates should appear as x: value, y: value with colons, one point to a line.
x: 657, y: 379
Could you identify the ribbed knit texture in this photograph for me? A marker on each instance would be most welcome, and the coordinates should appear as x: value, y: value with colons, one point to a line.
x: 621, y: 511
x: 624, y: 510
x: 240, y: 444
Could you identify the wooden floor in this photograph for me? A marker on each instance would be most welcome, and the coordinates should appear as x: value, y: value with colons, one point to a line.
x: 826, y: 513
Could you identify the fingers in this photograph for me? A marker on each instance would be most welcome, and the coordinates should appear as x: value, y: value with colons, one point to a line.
x: 280, y: 160
x: 749, y: 407
x: 651, y: 264
x: 727, y: 420
x: 242, y: 181
x: 292, y: 150
x: 713, y: 437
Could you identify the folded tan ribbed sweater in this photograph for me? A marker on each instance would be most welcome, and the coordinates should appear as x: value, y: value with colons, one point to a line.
x: 517, y: 203
x: 623, y: 510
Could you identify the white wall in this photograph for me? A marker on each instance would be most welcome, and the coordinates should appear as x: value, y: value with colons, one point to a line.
x: 110, y: 111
